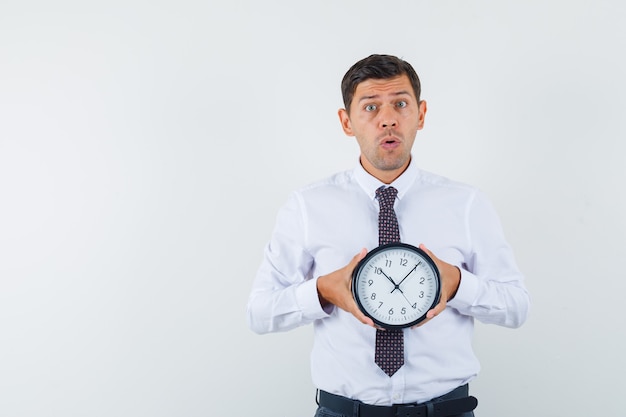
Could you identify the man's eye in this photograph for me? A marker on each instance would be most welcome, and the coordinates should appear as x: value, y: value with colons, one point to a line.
x: 401, y: 104
x: 370, y: 107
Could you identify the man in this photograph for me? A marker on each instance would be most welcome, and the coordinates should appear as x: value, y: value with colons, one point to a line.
x: 326, y: 228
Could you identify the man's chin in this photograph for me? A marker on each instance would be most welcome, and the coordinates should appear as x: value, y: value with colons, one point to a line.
x: 387, y: 164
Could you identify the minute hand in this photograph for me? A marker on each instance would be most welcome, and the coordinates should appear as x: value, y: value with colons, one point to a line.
x: 410, y: 272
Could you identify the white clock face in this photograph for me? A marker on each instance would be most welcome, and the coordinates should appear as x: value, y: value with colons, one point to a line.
x: 396, y: 285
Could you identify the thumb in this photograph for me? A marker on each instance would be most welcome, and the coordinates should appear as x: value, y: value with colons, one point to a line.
x: 357, y: 258
x: 428, y: 252
x: 355, y: 261
x: 355, y: 309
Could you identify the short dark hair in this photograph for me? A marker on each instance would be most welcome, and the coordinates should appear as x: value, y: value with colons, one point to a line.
x: 377, y: 67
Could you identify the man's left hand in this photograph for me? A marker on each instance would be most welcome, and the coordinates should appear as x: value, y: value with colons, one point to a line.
x: 450, y: 280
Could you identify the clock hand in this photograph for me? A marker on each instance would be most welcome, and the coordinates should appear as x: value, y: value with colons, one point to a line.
x: 402, y: 292
x: 400, y: 283
x: 410, y: 272
x: 395, y: 286
x: 388, y: 277
x: 407, y: 300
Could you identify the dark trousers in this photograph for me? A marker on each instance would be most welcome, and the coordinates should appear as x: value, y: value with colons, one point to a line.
x: 335, y: 406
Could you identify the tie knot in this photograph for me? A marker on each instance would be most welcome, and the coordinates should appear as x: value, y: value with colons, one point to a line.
x: 386, y: 196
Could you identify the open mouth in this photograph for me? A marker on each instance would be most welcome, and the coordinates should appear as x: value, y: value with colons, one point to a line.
x: 389, y: 141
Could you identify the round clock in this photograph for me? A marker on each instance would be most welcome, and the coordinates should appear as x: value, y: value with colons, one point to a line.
x: 395, y: 285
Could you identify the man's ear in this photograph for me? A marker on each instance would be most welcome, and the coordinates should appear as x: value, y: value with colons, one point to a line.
x: 422, y: 114
x: 344, y: 119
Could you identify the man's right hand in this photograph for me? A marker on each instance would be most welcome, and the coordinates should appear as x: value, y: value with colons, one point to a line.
x: 335, y: 288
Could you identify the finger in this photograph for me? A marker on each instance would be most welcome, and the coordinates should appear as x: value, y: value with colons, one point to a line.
x: 354, y: 262
x: 356, y: 312
x: 431, y: 314
x: 364, y: 319
x: 357, y: 258
x: 435, y: 311
x: 428, y: 252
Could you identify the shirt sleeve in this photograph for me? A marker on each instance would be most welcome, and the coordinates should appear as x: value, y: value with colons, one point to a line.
x: 284, y: 294
x: 492, y: 287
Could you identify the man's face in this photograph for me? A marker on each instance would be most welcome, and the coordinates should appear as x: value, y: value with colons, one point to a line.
x: 384, y: 117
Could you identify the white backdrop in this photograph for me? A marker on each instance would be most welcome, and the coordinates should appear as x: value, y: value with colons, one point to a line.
x: 145, y: 147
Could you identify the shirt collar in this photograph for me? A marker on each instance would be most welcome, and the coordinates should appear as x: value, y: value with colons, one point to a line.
x: 370, y: 183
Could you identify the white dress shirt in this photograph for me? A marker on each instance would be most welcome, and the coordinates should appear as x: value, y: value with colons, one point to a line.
x: 324, y: 225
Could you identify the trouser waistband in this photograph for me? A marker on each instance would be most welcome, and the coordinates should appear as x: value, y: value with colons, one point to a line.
x: 451, y: 404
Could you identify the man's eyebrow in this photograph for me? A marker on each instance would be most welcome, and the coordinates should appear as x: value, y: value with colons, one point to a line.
x: 397, y: 93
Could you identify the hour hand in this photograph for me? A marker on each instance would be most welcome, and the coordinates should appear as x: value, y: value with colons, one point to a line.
x: 387, y: 276
x: 395, y: 286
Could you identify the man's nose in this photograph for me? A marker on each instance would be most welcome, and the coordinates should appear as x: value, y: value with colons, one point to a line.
x: 388, y: 118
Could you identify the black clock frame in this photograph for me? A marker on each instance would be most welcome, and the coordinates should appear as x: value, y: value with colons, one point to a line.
x: 374, y: 252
